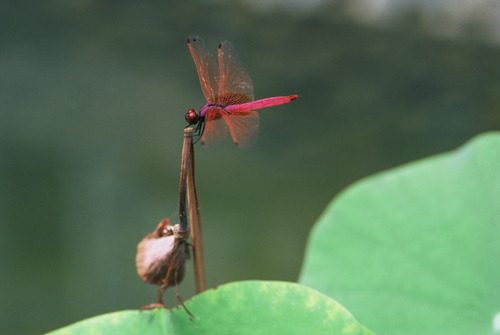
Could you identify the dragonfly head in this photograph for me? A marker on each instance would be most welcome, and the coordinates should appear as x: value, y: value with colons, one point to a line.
x: 192, y: 117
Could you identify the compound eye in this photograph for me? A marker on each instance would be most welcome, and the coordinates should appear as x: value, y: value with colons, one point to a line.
x: 192, y: 117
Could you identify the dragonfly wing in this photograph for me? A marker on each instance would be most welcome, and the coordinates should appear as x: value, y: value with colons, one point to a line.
x: 206, y: 65
x: 243, y: 127
x: 215, y: 131
x: 235, y: 85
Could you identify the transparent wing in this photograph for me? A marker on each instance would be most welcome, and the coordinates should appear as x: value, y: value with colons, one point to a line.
x: 235, y: 85
x: 208, y: 70
x: 243, y: 127
x: 215, y: 131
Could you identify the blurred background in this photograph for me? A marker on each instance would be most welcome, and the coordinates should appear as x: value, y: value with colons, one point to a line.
x: 92, y: 103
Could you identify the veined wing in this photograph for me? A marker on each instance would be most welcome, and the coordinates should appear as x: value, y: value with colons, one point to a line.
x: 235, y: 85
x: 208, y: 70
x: 243, y: 127
x: 215, y: 131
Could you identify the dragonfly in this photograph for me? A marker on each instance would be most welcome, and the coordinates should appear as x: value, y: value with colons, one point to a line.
x: 230, y: 100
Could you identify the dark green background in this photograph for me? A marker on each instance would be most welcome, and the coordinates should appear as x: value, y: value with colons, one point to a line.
x: 92, y: 103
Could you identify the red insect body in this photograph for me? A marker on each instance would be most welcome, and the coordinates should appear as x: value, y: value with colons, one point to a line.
x: 229, y: 92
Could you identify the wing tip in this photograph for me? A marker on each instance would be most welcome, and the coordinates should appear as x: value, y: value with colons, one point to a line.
x: 244, y: 145
x: 192, y: 38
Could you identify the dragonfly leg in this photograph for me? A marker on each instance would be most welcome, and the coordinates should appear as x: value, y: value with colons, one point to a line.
x: 198, y: 132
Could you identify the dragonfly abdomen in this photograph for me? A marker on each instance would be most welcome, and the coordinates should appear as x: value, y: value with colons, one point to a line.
x: 262, y: 103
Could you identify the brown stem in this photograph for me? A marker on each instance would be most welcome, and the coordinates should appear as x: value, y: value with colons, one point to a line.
x: 182, y: 303
x: 195, y: 220
x: 186, y: 155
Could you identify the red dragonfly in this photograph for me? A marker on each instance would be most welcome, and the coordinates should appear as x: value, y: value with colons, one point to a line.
x: 229, y: 92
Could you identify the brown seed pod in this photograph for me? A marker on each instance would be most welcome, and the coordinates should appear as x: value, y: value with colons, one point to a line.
x: 160, y: 258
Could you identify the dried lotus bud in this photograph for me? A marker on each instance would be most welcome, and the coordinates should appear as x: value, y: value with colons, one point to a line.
x: 160, y: 258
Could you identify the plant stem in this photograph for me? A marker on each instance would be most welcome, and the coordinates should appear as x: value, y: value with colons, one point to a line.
x: 186, y: 155
x: 195, y: 220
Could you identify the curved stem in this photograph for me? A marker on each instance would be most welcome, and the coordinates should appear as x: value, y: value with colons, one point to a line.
x: 186, y: 156
x: 195, y: 220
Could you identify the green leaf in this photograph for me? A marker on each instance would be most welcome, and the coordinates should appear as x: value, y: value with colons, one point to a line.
x: 416, y: 250
x: 252, y: 307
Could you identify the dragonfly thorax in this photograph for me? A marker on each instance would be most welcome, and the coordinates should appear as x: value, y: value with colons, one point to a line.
x: 192, y: 117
